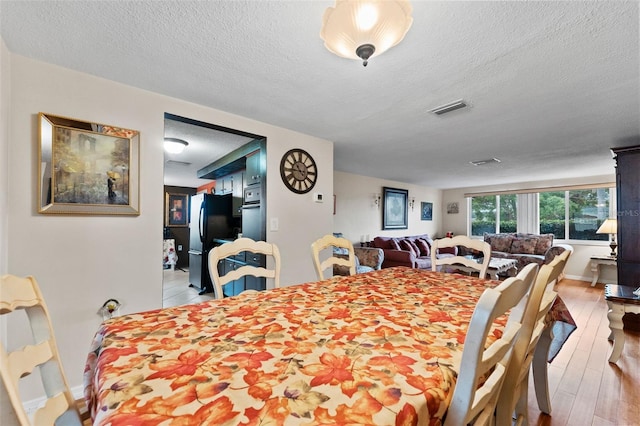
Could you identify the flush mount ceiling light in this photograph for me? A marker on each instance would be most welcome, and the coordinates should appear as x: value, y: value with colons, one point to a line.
x: 360, y: 29
x: 174, y: 145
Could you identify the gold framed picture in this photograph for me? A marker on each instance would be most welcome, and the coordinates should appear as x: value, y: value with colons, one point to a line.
x: 87, y: 168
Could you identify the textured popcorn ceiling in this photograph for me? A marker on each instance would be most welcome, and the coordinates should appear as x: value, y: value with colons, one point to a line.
x: 552, y: 85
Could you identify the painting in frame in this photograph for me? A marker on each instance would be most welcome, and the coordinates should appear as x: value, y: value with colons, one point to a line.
x: 176, y: 210
x: 426, y: 211
x: 87, y: 168
x: 394, y: 208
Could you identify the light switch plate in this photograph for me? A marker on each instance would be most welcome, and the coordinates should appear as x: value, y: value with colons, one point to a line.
x: 273, y: 225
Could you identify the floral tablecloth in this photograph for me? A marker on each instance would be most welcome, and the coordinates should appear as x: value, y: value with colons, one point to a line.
x: 380, y: 348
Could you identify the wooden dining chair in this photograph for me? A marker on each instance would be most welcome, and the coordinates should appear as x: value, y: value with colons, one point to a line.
x: 329, y: 242
x: 438, y: 260
x: 23, y: 294
x: 543, y: 333
x: 483, y: 368
x: 526, y: 313
x: 235, y: 247
x: 513, y: 399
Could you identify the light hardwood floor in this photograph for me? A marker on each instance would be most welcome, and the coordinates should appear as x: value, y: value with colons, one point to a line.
x: 585, y: 389
x: 176, y: 290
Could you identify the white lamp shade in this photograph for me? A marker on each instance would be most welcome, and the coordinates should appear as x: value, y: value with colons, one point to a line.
x: 174, y: 145
x: 609, y: 226
x: 353, y: 23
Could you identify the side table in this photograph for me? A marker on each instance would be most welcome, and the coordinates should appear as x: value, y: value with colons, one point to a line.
x: 621, y: 300
x: 596, y: 262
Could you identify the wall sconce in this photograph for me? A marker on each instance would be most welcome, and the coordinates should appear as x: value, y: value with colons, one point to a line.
x: 376, y: 200
x: 412, y: 202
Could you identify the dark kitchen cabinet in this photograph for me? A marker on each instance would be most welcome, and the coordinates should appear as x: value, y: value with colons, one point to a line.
x: 253, y: 173
x: 628, y: 201
x: 232, y: 184
x: 232, y: 288
x: 237, y: 188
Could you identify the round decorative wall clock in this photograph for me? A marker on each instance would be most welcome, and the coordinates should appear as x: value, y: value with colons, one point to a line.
x: 298, y: 171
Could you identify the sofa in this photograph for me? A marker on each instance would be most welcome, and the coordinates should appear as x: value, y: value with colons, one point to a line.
x: 525, y: 248
x: 413, y: 251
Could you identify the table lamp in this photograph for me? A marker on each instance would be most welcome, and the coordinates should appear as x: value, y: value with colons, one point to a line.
x: 610, y: 226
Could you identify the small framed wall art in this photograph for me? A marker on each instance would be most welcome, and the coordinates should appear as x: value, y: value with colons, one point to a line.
x: 176, y: 210
x: 87, y: 168
x: 452, y: 208
x: 426, y: 211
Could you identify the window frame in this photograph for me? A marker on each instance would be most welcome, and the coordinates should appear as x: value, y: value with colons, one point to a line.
x: 528, y: 211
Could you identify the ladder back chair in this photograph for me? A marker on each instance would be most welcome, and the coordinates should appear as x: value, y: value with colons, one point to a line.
x: 464, y: 241
x: 235, y: 247
x: 23, y: 294
x: 526, y: 313
x: 474, y: 401
x: 542, y: 336
x: 329, y: 242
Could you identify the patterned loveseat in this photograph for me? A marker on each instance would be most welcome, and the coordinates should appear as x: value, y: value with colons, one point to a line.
x: 525, y: 248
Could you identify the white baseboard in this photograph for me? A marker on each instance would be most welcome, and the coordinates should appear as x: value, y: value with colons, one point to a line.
x: 31, y: 406
x: 588, y: 279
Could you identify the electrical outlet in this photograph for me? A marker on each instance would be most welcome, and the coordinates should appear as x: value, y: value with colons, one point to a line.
x: 274, y: 224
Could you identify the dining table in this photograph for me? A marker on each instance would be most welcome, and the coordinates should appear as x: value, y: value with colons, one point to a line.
x: 379, y: 348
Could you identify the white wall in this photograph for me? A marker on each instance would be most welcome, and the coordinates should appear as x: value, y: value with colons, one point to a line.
x: 82, y: 261
x: 7, y: 416
x: 358, y: 218
x: 578, y: 266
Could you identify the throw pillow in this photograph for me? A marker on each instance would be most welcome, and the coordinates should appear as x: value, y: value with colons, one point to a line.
x: 501, y: 242
x: 545, y: 241
x: 423, y: 246
x: 524, y: 245
x: 405, y: 245
x: 394, y: 244
x: 414, y: 246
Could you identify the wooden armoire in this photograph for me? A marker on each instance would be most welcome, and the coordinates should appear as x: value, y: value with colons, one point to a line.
x: 628, y: 201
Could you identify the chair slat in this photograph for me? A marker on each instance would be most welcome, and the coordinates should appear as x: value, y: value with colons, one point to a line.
x: 235, y: 247
x: 328, y: 242
x: 458, y: 241
x: 23, y: 361
x: 23, y: 294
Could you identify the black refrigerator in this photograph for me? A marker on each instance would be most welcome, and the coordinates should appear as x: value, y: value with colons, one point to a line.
x: 210, y: 219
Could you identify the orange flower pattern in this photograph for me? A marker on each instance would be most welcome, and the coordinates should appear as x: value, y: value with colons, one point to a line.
x: 379, y: 348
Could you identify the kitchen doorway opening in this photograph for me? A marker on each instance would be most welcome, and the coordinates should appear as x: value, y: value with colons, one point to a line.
x: 214, y: 161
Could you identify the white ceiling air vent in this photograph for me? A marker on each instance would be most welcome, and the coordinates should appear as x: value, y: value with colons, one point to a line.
x: 452, y: 106
x: 177, y: 163
x: 485, y: 162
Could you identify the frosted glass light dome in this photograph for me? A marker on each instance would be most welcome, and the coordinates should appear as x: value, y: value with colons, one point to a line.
x: 362, y: 29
